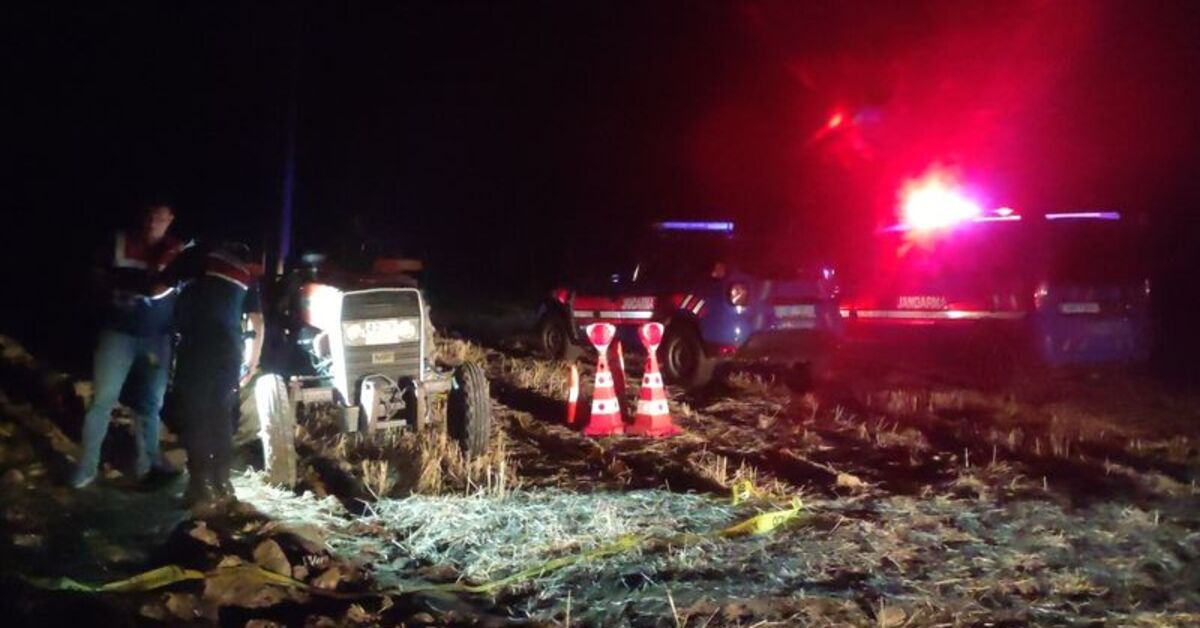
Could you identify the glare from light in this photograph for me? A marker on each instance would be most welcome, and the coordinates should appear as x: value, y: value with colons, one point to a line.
x: 934, y: 203
x: 322, y: 306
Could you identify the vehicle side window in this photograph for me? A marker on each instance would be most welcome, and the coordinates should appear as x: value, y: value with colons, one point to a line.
x: 663, y: 268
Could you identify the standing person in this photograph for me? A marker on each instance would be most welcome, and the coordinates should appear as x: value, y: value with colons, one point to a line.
x: 218, y: 290
x: 134, y: 348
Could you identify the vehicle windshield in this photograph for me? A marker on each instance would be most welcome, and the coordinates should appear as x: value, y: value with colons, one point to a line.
x: 975, y: 254
x: 693, y: 256
x: 1093, y: 250
x: 1071, y: 251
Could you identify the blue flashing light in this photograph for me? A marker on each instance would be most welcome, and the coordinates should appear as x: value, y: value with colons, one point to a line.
x: 720, y: 227
x: 1096, y: 215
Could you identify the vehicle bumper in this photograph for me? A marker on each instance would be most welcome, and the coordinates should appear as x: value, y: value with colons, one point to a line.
x: 785, y: 346
x: 1092, y: 340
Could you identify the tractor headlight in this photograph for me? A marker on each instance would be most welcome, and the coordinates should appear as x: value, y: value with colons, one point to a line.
x: 384, y: 331
x: 354, y: 333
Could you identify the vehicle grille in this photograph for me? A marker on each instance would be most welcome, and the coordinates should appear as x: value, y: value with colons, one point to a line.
x: 376, y: 304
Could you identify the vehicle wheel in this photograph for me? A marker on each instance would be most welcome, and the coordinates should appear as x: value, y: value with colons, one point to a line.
x: 277, y: 429
x: 683, y: 359
x: 469, y: 409
x: 805, y: 376
x: 1005, y: 357
x: 248, y: 425
x: 554, y: 337
x: 820, y: 370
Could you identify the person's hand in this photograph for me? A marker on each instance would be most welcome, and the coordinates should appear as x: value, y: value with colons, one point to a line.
x: 249, y: 376
x: 159, y: 290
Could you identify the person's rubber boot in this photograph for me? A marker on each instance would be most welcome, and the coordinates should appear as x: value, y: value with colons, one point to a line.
x: 82, y: 477
x: 224, y: 491
x: 199, y: 498
x: 222, y: 487
x: 156, y: 475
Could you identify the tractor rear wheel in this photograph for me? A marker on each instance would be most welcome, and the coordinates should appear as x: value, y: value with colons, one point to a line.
x: 469, y: 409
x: 277, y: 429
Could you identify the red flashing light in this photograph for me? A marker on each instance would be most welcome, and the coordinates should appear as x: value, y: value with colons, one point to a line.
x: 934, y: 203
x: 835, y: 121
x: 562, y: 295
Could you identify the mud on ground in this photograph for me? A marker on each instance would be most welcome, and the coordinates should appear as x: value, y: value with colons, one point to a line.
x: 1067, y: 498
x: 926, y: 501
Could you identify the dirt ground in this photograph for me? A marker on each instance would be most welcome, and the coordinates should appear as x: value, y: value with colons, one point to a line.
x: 925, y: 498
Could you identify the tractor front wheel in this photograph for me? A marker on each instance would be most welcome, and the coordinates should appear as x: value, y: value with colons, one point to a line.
x: 469, y: 409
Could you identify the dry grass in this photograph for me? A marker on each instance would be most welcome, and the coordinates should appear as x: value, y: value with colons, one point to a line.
x: 376, y: 478
x: 754, y: 384
x: 444, y: 467
x: 455, y: 350
x: 716, y: 468
x: 547, y: 378
x: 398, y: 463
x: 887, y: 432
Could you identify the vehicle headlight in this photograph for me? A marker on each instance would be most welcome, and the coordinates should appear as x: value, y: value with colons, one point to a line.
x: 406, y: 330
x: 354, y: 333
x: 739, y: 294
x: 384, y: 331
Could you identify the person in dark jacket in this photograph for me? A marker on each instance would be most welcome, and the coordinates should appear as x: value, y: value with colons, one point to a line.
x: 218, y: 291
x: 134, y: 349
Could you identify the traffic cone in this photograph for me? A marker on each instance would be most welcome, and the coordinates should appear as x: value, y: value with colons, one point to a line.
x: 653, y: 416
x: 572, y: 394
x: 618, y: 370
x: 606, y: 411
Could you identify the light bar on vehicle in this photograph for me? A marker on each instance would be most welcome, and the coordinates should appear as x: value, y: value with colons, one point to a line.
x: 1084, y: 216
x: 676, y: 225
x: 1009, y: 218
x: 994, y: 216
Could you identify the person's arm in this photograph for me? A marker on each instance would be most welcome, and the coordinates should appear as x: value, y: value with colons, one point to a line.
x: 254, y: 320
x: 184, y: 267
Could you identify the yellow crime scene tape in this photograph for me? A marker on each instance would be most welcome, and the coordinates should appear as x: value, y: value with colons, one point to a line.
x: 763, y: 523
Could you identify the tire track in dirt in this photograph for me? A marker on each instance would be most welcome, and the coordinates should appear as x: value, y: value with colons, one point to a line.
x: 623, y: 461
x: 808, y: 449
x: 1084, y: 454
x: 966, y: 434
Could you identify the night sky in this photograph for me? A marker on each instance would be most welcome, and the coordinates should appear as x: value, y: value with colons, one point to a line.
x: 493, y: 138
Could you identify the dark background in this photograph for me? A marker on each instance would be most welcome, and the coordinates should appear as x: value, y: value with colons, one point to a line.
x: 494, y: 139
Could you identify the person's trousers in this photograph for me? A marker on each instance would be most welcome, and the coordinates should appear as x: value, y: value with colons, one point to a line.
x: 202, y: 399
x: 140, y: 365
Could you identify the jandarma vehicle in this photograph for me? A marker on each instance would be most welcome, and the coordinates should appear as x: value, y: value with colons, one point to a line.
x: 1060, y: 287
x: 722, y: 296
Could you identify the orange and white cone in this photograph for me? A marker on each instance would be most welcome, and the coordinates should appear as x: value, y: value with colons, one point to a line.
x: 653, y: 417
x: 572, y: 394
x: 606, y: 410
